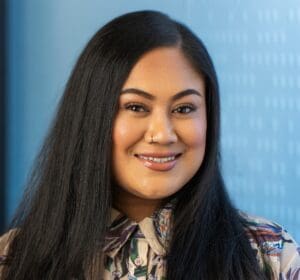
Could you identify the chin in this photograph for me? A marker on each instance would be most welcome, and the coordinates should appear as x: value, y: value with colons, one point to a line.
x: 155, y: 194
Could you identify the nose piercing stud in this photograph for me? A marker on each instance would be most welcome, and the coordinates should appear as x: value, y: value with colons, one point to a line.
x: 151, y: 140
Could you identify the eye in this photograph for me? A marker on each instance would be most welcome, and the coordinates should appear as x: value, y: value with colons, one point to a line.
x: 185, y: 109
x: 135, y: 107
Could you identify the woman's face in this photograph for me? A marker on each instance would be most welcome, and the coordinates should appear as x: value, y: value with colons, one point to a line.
x: 160, y: 129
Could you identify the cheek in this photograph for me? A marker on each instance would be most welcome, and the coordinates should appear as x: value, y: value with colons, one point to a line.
x: 125, y: 133
x: 194, y: 134
x: 120, y: 129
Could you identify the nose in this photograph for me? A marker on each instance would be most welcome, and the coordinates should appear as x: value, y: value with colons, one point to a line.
x: 160, y: 130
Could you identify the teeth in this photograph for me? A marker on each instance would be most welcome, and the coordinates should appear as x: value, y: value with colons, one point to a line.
x: 160, y: 160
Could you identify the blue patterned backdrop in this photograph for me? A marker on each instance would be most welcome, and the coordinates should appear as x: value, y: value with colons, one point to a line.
x: 256, y: 49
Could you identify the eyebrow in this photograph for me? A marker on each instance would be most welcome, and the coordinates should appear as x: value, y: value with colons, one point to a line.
x: 152, y: 97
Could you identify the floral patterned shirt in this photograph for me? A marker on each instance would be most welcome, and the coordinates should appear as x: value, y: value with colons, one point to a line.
x: 137, y: 250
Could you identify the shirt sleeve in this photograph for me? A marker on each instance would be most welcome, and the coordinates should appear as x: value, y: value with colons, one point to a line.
x: 5, y: 241
x: 290, y: 259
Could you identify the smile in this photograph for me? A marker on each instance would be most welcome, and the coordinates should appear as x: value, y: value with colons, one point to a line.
x: 159, y: 163
x: 158, y: 159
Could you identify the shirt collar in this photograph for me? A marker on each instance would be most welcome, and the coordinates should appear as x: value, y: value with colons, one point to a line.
x: 155, y: 229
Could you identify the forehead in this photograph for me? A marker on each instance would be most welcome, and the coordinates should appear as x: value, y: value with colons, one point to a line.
x: 164, y: 70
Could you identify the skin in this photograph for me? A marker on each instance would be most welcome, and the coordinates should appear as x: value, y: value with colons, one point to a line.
x: 177, y: 125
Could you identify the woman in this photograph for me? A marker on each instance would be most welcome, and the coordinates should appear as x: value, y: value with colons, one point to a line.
x: 128, y: 183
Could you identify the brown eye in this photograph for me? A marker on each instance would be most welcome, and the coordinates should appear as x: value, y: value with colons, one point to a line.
x: 135, y: 107
x: 184, y: 109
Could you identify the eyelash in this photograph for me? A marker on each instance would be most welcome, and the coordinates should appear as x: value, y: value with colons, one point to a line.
x: 190, y: 107
x: 130, y: 107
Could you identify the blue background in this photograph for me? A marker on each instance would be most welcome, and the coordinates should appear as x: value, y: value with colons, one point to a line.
x: 256, y: 49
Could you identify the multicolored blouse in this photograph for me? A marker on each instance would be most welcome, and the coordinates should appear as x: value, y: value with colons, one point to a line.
x: 137, y: 250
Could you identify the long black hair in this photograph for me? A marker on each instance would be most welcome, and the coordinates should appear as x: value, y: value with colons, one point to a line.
x: 64, y: 214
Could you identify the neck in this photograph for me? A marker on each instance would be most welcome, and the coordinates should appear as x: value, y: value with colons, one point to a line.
x: 134, y: 207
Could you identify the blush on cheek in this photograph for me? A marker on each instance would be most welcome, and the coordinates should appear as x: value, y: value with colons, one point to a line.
x: 195, y: 135
x: 122, y: 134
x: 121, y: 129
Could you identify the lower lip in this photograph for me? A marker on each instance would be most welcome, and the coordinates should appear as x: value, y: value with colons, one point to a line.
x: 158, y: 166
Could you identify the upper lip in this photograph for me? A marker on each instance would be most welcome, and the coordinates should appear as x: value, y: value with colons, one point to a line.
x: 169, y: 154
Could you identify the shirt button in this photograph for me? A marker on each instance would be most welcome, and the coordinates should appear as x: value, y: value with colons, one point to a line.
x: 116, y: 273
x: 138, y: 261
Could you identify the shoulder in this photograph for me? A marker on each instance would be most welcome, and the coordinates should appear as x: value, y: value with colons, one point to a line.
x: 274, y: 245
x: 5, y: 241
